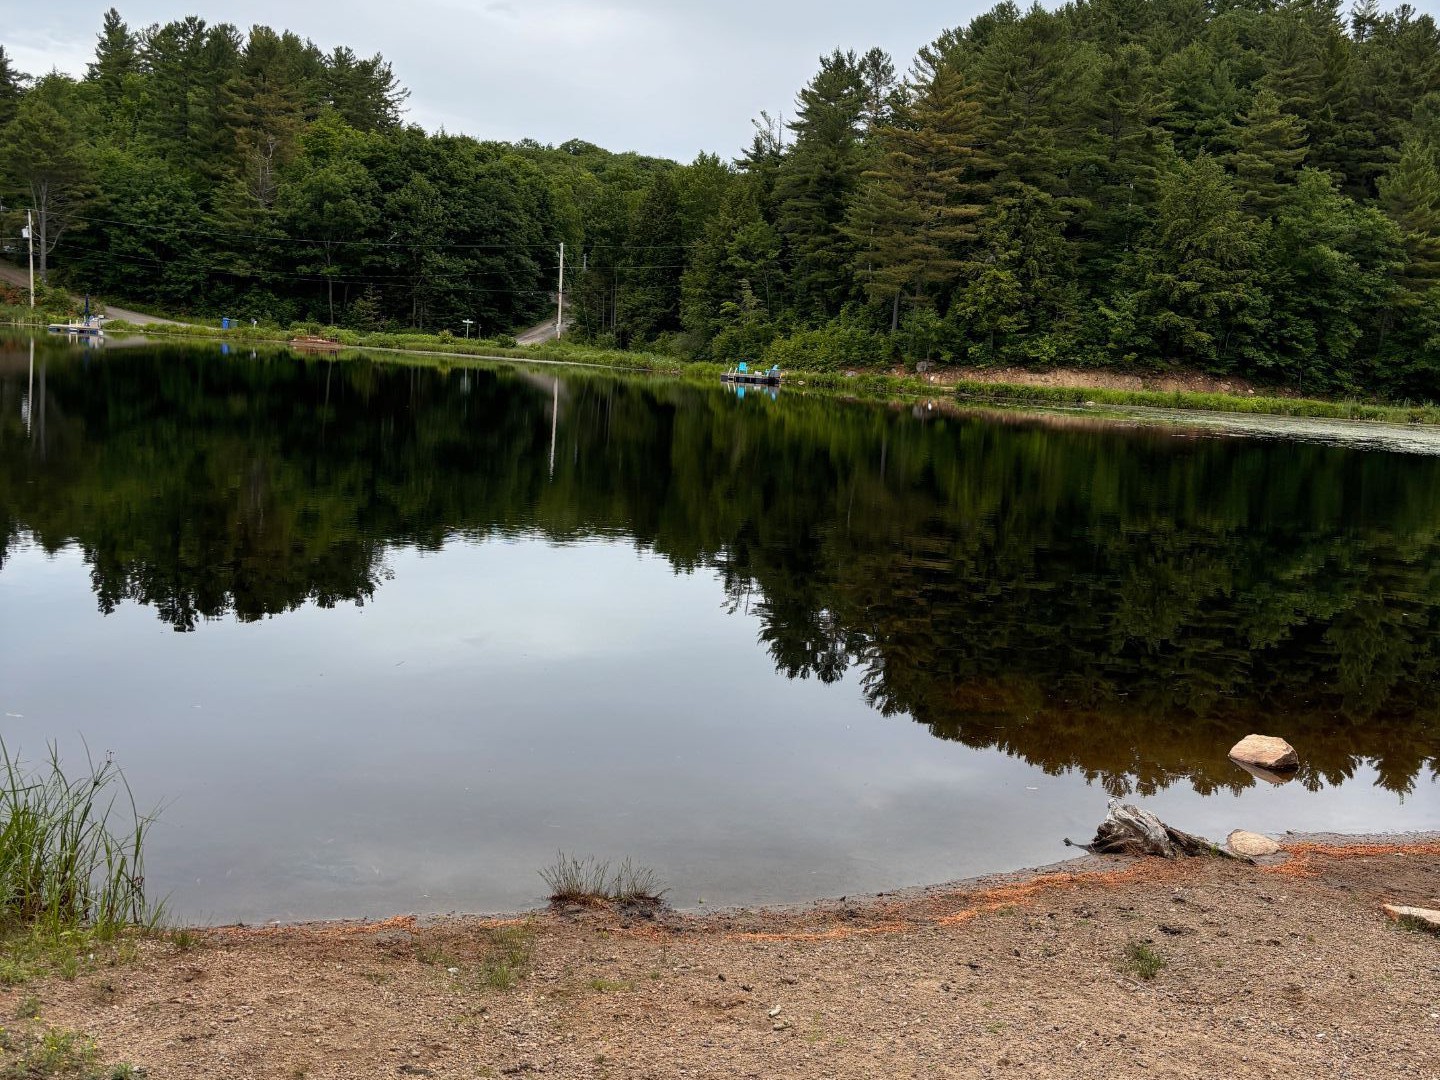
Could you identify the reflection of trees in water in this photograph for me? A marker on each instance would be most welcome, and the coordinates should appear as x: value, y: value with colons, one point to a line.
x: 1124, y: 605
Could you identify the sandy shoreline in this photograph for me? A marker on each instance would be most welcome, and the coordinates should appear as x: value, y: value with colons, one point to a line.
x: 1097, y: 967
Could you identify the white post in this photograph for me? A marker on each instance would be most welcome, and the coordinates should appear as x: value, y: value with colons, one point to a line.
x: 30, y: 236
x: 30, y: 393
x: 554, y: 426
x: 560, y: 296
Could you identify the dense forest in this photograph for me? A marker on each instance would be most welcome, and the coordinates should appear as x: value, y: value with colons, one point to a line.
x: 1122, y: 603
x: 1240, y: 186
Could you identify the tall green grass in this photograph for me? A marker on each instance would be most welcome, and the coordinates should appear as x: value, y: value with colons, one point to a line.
x: 71, y: 849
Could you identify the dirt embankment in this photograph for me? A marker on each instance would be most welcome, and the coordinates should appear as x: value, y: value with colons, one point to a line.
x: 1100, y: 378
x: 1195, y: 969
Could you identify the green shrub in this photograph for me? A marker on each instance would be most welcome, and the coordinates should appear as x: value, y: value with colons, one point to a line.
x: 831, y: 348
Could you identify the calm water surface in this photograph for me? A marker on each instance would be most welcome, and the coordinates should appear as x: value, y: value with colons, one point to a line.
x: 385, y: 639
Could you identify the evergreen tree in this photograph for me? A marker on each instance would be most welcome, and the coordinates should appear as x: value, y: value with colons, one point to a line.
x: 365, y: 93
x: 1027, y: 71
x: 12, y: 88
x: 816, y: 180
x: 1330, y: 282
x: 735, y: 263
x: 1410, y: 195
x: 650, y: 285
x: 116, y: 63
x: 1124, y: 151
x: 1201, y: 272
x: 1011, y: 284
x: 914, y: 218
x: 1269, y: 147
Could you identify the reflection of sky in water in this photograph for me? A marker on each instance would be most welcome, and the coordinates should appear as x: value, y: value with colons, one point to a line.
x: 499, y: 701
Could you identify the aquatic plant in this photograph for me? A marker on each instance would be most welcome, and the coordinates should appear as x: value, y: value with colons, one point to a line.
x: 71, y: 850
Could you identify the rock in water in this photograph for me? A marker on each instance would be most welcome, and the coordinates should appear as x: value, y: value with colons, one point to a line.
x: 1128, y: 830
x: 1266, y: 752
x: 1424, y: 916
x: 1252, y: 845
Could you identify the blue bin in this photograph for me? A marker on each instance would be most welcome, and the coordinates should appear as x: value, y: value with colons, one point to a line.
x: 224, y: 324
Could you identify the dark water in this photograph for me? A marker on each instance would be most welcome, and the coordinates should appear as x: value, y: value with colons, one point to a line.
x: 386, y: 638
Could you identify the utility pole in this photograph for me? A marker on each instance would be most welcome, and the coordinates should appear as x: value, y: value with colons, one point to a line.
x: 560, y: 296
x: 30, y: 236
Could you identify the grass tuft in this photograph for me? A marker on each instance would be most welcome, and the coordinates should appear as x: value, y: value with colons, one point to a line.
x: 508, y: 953
x: 498, y: 958
x: 1142, y: 961
x: 573, y: 880
x: 589, y: 881
x: 635, y: 884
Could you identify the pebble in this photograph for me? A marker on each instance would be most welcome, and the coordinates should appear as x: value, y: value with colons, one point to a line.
x: 774, y: 1012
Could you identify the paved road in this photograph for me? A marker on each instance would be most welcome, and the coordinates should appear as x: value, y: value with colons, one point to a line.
x: 542, y: 332
x: 17, y: 276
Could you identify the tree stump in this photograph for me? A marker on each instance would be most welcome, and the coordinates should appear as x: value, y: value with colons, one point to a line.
x: 1128, y: 830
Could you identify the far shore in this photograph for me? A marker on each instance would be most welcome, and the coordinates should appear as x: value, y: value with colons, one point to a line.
x: 1090, y: 387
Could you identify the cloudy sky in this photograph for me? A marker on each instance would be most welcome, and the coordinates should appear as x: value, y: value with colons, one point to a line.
x: 671, y: 77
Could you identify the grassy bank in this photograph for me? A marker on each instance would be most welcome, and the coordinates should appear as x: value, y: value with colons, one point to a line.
x: 871, y: 385
x: 1063, y: 397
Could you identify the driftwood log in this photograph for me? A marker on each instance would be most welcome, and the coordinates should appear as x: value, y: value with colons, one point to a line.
x: 1128, y: 830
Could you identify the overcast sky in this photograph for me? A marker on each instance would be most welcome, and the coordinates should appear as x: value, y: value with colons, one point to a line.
x: 670, y: 77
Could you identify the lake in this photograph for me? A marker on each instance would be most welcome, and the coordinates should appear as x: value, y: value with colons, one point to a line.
x: 386, y: 638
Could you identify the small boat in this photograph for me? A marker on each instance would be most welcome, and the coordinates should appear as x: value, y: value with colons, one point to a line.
x: 742, y: 374
x: 311, y: 343
x: 88, y: 329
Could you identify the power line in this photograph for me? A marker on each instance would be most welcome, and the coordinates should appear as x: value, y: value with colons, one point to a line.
x: 211, y: 231
x: 407, y: 281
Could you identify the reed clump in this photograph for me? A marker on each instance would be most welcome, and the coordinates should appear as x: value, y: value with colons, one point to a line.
x: 591, y: 882
x: 71, y: 861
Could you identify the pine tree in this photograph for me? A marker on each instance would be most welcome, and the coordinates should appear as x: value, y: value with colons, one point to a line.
x: 263, y: 110
x: 914, y: 218
x: 1269, y: 149
x: 117, y: 60
x: 734, y: 262
x: 816, y: 180
x: 1204, y: 93
x: 1201, y: 271
x: 12, y: 88
x: 1027, y: 72
x: 1124, y: 151
x: 1015, y: 275
x: 882, y: 91
x: 365, y: 93
x: 1410, y: 195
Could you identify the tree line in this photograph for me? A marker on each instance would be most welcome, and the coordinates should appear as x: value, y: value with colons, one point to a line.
x: 1238, y: 186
